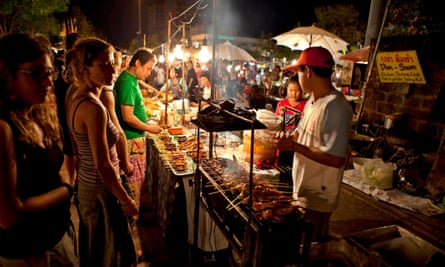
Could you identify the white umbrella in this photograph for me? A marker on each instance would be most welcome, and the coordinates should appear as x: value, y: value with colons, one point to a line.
x: 301, y: 38
x: 228, y: 51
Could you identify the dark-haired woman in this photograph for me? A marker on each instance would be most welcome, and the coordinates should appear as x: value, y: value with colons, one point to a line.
x: 35, y: 220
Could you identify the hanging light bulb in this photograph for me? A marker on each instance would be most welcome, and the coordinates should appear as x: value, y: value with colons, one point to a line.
x: 229, y: 68
x: 178, y: 53
x: 171, y: 58
x: 204, y: 55
x: 161, y: 59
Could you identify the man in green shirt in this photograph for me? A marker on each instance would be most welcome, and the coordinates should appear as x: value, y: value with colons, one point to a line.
x: 131, y: 113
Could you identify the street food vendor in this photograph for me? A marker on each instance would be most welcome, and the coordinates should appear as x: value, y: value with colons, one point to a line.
x: 132, y: 115
x: 320, y: 141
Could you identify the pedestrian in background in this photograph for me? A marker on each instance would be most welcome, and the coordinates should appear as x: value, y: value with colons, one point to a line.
x: 294, y: 99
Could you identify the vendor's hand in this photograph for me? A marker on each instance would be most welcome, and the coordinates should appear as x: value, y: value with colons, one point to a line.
x: 128, y: 168
x: 154, y: 128
x: 284, y: 140
x: 130, y: 209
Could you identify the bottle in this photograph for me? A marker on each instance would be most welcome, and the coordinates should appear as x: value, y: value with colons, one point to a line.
x: 171, y: 118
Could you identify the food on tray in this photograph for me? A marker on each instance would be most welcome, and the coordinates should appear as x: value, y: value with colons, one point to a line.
x: 270, y: 200
x: 162, y: 97
x: 194, y: 155
x: 190, y: 144
x: 175, y: 130
x: 150, y: 104
x: 177, y: 160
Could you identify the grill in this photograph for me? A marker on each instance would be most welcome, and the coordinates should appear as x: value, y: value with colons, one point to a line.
x: 275, y: 235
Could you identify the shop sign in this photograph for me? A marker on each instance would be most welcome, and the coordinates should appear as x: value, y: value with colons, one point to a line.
x: 399, y: 67
x: 226, y: 37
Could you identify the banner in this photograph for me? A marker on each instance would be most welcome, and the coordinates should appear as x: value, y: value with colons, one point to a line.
x: 399, y: 67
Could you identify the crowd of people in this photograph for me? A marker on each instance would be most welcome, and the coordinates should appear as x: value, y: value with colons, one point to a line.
x: 248, y: 87
x: 92, y: 119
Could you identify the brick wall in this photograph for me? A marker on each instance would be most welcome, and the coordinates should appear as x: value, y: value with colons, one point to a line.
x: 416, y: 101
x: 423, y: 104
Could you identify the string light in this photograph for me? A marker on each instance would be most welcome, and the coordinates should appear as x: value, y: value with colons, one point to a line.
x: 204, y: 55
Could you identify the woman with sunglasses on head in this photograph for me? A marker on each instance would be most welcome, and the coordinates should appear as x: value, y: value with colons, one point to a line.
x: 35, y: 220
x: 104, y: 205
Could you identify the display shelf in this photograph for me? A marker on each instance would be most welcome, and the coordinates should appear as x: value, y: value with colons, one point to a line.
x: 226, y: 125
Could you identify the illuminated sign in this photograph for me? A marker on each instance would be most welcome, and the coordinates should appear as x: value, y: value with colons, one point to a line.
x: 226, y: 37
x: 399, y: 67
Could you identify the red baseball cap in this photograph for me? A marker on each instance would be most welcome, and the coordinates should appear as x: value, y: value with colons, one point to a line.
x: 315, y: 56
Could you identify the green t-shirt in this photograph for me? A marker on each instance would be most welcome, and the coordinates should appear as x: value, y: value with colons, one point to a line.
x: 127, y: 92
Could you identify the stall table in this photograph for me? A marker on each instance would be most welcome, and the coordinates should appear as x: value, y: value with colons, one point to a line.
x: 171, y: 197
x: 413, y: 213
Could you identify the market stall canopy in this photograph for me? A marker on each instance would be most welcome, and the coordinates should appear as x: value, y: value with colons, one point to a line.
x: 359, y: 55
x: 228, y: 51
x: 301, y: 38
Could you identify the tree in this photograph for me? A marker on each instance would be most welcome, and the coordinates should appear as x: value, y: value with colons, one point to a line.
x: 31, y: 16
x: 342, y: 20
x: 84, y: 26
x: 411, y: 17
x: 268, y: 50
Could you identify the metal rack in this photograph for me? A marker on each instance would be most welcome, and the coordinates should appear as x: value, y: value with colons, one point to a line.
x: 257, y: 243
x: 291, y: 121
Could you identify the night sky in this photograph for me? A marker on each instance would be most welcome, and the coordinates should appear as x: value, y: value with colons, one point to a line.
x: 117, y: 19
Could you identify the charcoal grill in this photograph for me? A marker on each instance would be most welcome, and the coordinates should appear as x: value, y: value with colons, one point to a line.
x: 278, y: 241
x: 274, y: 242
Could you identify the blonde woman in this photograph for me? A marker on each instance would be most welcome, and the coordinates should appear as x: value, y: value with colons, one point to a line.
x: 104, y: 205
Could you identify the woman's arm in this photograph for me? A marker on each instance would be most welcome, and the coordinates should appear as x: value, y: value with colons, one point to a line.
x: 12, y: 207
x: 94, y: 119
x: 107, y: 98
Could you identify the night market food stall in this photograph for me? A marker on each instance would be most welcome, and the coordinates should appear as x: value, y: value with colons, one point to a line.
x: 221, y: 183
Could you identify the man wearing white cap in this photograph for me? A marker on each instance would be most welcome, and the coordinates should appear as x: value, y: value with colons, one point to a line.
x: 321, y: 140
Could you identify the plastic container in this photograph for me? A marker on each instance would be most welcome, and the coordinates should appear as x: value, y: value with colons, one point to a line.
x: 262, y: 147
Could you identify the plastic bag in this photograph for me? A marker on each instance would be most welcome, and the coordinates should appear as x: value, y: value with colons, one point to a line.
x: 378, y: 173
x: 270, y: 119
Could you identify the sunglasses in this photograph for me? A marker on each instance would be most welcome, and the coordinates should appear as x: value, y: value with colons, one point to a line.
x: 40, y: 74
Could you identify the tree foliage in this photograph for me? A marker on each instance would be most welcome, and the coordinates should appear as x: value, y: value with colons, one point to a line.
x: 30, y: 16
x: 84, y: 26
x: 342, y: 20
x: 412, y: 17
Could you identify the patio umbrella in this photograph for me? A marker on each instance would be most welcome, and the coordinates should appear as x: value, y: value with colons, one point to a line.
x: 228, y: 51
x: 359, y: 55
x: 301, y: 38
